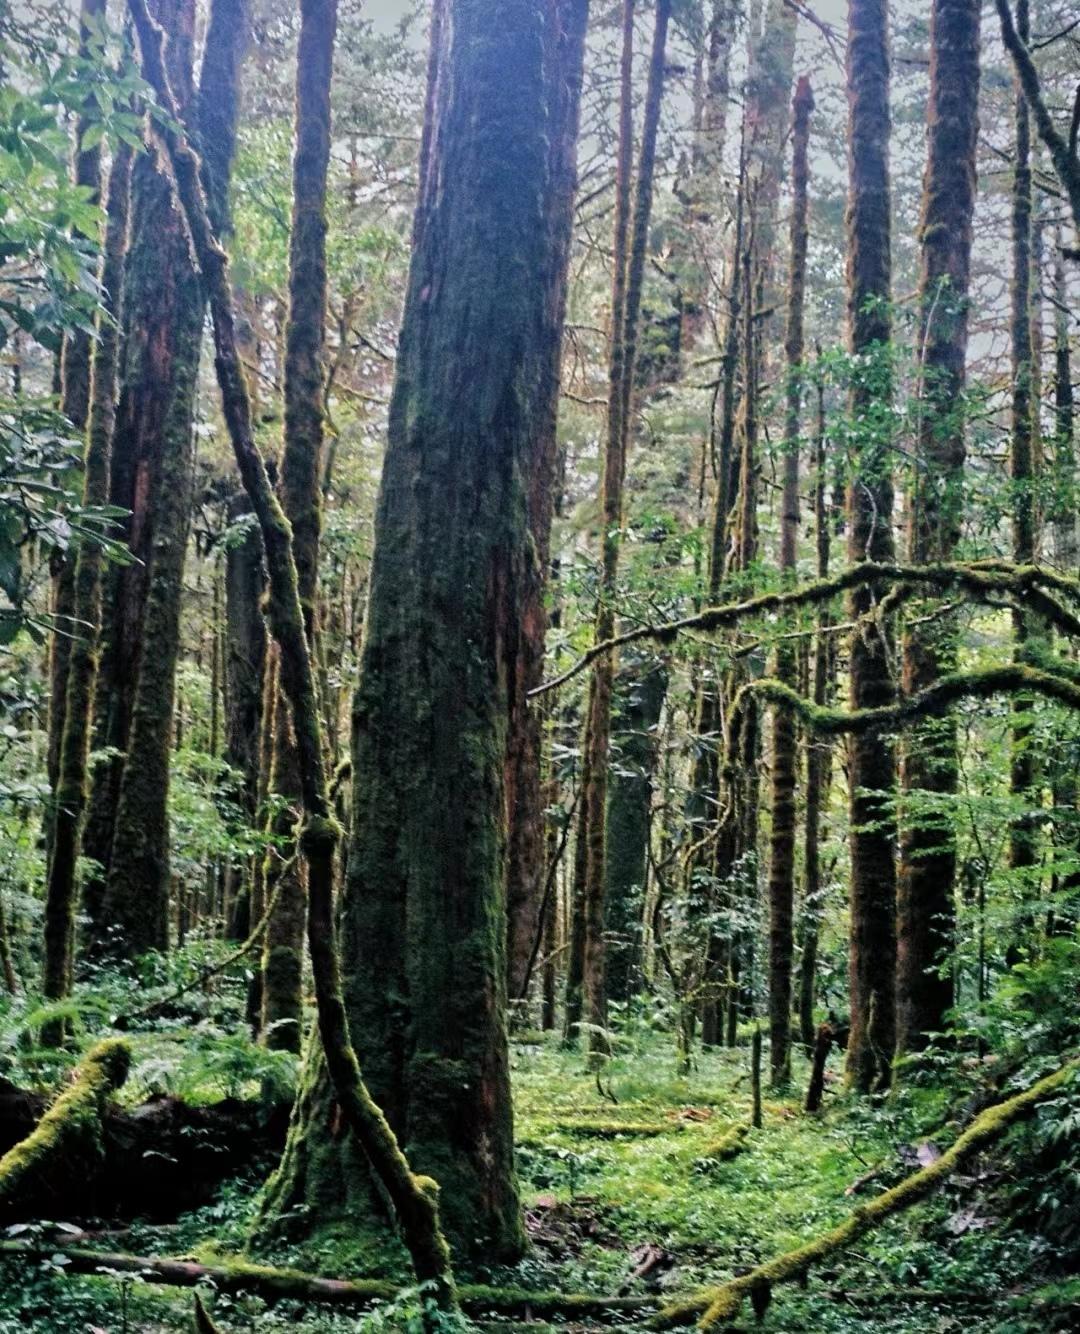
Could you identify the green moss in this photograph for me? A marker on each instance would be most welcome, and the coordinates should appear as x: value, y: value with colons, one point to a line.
x: 68, y: 1140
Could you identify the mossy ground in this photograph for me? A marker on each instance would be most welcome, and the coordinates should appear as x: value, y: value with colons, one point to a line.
x: 595, y: 1200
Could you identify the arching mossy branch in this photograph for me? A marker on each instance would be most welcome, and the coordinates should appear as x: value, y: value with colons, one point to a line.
x: 935, y: 700
x: 68, y: 1139
x: 983, y: 581
x: 414, y: 1198
x: 720, y: 1305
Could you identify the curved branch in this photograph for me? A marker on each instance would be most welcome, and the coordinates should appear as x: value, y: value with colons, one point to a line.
x: 981, y: 579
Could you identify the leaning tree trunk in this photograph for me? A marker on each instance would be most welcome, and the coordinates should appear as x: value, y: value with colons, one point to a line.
x: 301, y: 490
x: 423, y: 902
x: 925, y: 886
x: 631, y: 242
x: 871, y: 775
x: 785, y: 742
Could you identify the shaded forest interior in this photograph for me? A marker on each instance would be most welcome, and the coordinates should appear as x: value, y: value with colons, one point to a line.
x: 539, y: 665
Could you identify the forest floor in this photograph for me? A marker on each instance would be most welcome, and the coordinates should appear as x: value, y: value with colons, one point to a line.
x: 627, y: 1198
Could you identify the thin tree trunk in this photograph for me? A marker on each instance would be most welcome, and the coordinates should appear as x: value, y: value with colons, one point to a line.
x: 872, y: 774
x: 60, y: 891
x: 785, y: 742
x: 925, y: 886
x: 631, y: 242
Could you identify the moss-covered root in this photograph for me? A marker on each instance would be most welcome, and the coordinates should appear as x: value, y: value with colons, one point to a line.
x: 717, y: 1307
x: 67, y: 1144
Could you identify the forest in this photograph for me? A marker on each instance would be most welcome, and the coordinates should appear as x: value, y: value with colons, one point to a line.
x: 539, y: 666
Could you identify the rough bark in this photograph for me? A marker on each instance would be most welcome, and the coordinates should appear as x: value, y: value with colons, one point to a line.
x: 71, y: 778
x: 785, y: 742
x: 423, y: 905
x: 925, y: 884
x: 870, y: 537
x: 631, y: 242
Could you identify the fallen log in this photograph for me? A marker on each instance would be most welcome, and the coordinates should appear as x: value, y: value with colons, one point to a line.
x: 296, y: 1285
x: 68, y: 1144
x: 717, y: 1307
x: 161, y: 1158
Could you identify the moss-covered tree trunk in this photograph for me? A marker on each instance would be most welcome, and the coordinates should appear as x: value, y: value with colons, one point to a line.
x: 925, y: 886
x: 166, y: 305
x: 871, y: 768
x: 245, y: 662
x: 639, y: 697
x: 631, y: 241
x: 526, y: 861
x: 71, y: 781
x: 75, y: 360
x: 423, y: 910
x: 301, y: 490
x: 818, y: 751
x: 1023, y: 843
x: 784, y: 738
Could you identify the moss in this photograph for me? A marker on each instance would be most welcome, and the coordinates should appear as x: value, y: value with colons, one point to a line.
x: 728, y: 1146
x: 69, y: 1137
x: 720, y: 1305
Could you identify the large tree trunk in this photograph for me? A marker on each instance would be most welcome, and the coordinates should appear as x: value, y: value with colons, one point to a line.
x: 925, y: 912
x: 870, y: 503
x: 424, y: 899
x: 785, y: 741
x: 164, y: 306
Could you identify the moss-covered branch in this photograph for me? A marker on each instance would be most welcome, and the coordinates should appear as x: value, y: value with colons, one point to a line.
x: 982, y: 581
x: 68, y: 1139
x: 294, y: 1285
x: 717, y: 1307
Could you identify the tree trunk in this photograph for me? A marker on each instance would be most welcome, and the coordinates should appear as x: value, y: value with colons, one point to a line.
x: 631, y: 241
x: 870, y: 503
x: 164, y: 304
x: 526, y: 862
x: 424, y: 898
x: 785, y: 743
x: 60, y: 891
x: 925, y: 886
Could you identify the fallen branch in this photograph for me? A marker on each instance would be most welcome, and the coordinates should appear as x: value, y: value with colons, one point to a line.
x: 295, y: 1285
x: 720, y: 1305
x: 68, y: 1142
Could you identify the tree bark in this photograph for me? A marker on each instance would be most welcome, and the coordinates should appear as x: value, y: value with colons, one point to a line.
x: 785, y: 742
x: 925, y: 886
x: 424, y: 899
x: 870, y: 503
x: 631, y: 242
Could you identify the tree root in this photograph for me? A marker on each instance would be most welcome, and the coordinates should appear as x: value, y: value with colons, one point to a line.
x: 293, y: 1284
x: 68, y: 1142
x: 718, y: 1307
